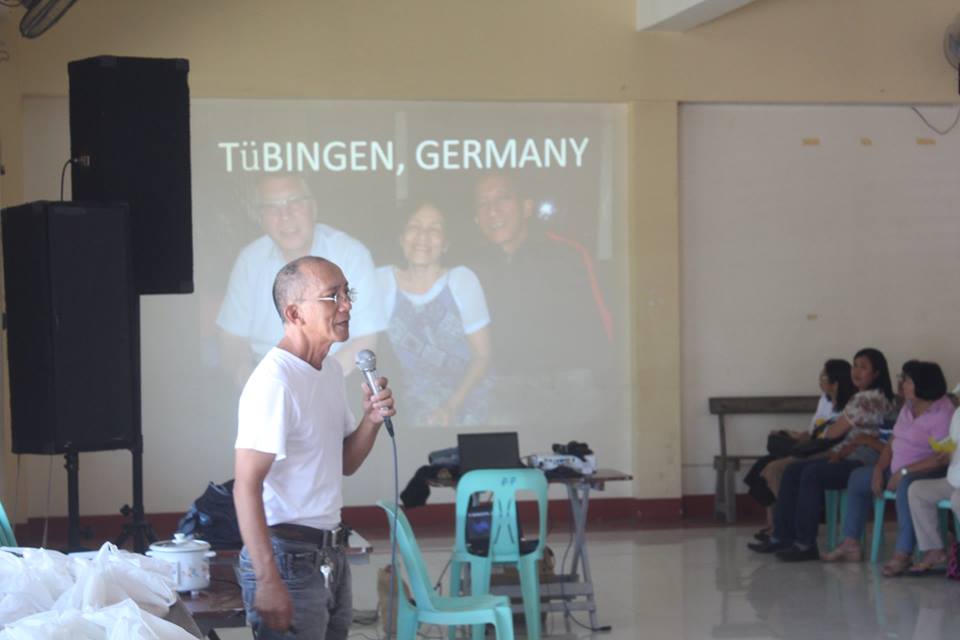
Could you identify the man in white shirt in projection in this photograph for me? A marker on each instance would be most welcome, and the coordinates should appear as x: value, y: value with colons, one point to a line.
x: 287, y: 212
x: 296, y: 439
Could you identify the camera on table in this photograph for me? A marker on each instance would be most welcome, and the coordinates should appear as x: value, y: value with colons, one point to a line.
x: 573, y: 448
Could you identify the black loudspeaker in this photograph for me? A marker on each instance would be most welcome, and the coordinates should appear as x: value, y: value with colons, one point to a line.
x: 73, y: 323
x: 130, y: 138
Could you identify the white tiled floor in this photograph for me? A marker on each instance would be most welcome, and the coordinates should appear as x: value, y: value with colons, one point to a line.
x: 704, y: 583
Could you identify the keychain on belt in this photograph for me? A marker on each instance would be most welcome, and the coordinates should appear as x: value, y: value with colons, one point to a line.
x: 327, y: 570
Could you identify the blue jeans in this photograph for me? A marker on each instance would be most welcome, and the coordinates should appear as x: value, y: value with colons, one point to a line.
x: 319, y: 613
x: 796, y: 514
x: 860, y: 504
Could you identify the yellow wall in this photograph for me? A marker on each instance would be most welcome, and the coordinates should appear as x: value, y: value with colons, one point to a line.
x: 10, y: 192
x: 770, y: 51
x: 655, y: 309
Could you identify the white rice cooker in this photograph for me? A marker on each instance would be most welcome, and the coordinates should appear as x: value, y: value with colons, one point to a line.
x: 189, y: 561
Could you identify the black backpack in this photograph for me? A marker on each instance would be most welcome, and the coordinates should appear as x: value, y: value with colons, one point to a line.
x: 212, y: 517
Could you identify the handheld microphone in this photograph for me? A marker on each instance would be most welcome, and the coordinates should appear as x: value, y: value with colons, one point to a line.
x: 367, y: 363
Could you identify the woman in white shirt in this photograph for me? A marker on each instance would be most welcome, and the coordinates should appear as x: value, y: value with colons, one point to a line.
x: 763, y: 479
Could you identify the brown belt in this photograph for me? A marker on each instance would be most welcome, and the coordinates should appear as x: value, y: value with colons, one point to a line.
x: 320, y: 537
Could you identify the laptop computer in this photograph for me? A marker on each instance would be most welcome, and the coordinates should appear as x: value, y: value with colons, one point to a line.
x: 499, y: 450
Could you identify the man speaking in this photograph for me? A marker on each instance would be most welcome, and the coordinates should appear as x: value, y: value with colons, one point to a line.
x: 296, y: 440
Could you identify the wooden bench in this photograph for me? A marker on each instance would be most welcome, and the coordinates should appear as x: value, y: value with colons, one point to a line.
x: 727, y: 465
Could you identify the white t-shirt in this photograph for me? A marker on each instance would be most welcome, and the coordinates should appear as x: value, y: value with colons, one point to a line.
x: 824, y: 411
x: 248, y: 310
x: 464, y: 286
x: 301, y: 415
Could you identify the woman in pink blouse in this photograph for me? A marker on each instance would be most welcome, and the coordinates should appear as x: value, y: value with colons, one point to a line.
x: 907, y: 456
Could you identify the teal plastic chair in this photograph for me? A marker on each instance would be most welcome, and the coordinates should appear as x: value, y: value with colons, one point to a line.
x: 7, y: 538
x: 430, y: 608
x: 877, y: 541
x: 943, y: 514
x: 835, y: 505
x: 878, y: 507
x: 505, y: 544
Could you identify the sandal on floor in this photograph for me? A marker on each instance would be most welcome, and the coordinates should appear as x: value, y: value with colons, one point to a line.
x: 844, y: 552
x: 929, y: 567
x: 920, y: 569
x: 896, y: 566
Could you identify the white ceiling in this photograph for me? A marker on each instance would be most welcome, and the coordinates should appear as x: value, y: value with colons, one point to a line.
x: 682, y: 15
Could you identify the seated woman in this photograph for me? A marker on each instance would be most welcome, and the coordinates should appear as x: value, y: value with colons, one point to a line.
x: 907, y: 456
x: 438, y: 326
x: 763, y: 479
x: 923, y: 498
x: 796, y: 514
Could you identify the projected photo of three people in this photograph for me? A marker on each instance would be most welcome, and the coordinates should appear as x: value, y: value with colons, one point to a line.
x: 488, y: 337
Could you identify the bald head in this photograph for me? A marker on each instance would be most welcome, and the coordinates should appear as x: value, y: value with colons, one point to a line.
x: 295, y: 277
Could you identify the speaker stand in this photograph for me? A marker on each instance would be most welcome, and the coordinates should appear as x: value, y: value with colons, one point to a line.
x: 137, y: 528
x: 72, y: 466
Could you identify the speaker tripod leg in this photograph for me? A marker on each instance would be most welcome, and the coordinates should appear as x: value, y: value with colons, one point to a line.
x: 72, y: 466
x: 138, y: 529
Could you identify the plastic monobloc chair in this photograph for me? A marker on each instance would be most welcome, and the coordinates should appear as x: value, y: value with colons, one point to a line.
x: 835, y: 502
x: 878, y: 507
x: 428, y: 606
x: 944, y: 509
x: 505, y: 544
x: 7, y: 538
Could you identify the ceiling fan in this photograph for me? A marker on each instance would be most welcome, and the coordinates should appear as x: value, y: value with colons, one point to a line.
x: 40, y: 14
x: 951, y: 46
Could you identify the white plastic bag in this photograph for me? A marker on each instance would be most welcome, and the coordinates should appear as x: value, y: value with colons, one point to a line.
x: 22, y: 592
x: 122, y: 621
x: 113, y: 594
x: 113, y: 576
x: 14, y: 606
x: 55, y: 570
x: 54, y: 625
x: 126, y: 621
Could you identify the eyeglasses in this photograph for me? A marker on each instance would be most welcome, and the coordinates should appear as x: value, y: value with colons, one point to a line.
x: 293, y: 205
x: 339, y: 298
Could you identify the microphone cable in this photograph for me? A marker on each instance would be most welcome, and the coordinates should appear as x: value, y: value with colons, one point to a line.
x: 395, y: 583
x: 367, y: 363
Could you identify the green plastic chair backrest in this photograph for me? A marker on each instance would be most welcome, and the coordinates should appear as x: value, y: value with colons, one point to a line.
x: 7, y: 538
x: 420, y: 584
x: 504, y: 485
